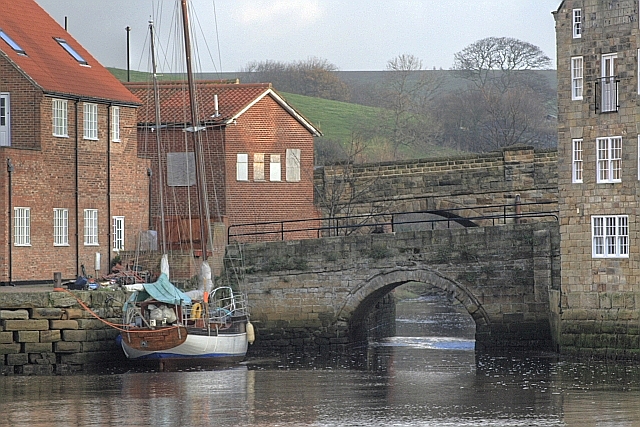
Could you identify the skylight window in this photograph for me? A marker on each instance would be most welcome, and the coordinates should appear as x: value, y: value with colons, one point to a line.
x: 71, y: 51
x: 15, y: 46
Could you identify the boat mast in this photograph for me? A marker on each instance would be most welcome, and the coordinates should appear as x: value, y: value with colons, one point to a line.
x: 156, y: 99
x: 195, y: 129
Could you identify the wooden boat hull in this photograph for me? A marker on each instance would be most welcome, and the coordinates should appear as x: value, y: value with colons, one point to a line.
x: 156, y: 339
x: 223, y: 348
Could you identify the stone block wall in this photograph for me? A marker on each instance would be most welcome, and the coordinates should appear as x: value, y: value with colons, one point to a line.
x: 455, y: 182
x: 48, y: 333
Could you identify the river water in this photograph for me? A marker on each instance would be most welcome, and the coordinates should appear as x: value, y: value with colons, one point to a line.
x: 428, y: 375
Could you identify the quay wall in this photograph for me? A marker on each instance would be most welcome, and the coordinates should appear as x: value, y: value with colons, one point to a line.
x: 44, y: 333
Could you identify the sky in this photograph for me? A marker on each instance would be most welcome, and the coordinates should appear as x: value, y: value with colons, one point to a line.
x: 355, y: 35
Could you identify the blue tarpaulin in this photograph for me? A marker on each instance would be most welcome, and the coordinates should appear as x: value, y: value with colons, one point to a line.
x: 162, y: 290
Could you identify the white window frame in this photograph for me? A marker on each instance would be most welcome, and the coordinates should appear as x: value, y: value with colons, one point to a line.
x: 90, y: 121
x: 60, y: 227
x: 118, y: 233
x: 609, y: 159
x: 258, y: 167
x: 242, y: 167
x: 59, y: 114
x: 577, y: 78
x: 91, y: 227
x: 578, y: 161
x: 293, y: 165
x: 275, y: 168
x: 577, y: 23
x: 21, y: 226
x: 115, y: 124
x: 5, y: 119
x: 609, y: 88
x: 610, y: 236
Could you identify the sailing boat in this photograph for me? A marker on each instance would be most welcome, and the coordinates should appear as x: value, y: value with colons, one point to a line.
x: 162, y: 322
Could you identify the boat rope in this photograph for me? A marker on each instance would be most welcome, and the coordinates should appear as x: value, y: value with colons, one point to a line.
x: 119, y: 327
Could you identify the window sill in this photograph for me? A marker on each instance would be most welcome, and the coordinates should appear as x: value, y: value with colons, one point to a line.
x: 61, y: 245
x: 89, y: 139
x: 28, y: 245
x: 92, y: 244
x: 61, y: 136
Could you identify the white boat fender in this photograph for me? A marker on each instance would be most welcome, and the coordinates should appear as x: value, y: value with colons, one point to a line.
x: 251, y: 333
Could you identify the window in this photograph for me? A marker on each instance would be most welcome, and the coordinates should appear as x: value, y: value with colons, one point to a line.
x: 577, y: 78
x: 610, y: 236
x: 12, y: 44
x: 275, y: 172
x: 242, y: 167
x: 71, y: 51
x: 293, y: 165
x: 60, y: 227
x: 609, y: 166
x: 577, y: 161
x: 577, y: 23
x: 60, y: 118
x: 118, y: 233
x: 22, y: 226
x: 258, y: 167
x: 90, y: 121
x: 5, y: 120
x: 609, y: 82
x: 115, y: 124
x: 91, y: 227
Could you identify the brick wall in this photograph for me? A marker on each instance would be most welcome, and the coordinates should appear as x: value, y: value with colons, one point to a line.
x: 269, y: 129
x: 44, y: 178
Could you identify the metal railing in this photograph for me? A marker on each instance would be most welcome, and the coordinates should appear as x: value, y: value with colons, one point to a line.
x: 606, y: 94
x: 391, y: 222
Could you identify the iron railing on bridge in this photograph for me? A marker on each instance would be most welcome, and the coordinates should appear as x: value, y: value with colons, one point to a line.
x: 391, y: 222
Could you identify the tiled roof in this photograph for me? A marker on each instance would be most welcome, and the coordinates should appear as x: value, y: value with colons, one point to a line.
x: 46, y: 63
x: 233, y: 100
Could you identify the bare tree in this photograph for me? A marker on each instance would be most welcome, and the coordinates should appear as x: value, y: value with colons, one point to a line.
x: 407, y: 93
x: 505, y: 102
x: 344, y: 194
x: 314, y: 77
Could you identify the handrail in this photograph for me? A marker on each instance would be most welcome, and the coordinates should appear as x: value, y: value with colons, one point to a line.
x: 346, y: 222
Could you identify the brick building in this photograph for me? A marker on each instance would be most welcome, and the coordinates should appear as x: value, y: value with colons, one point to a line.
x: 599, y: 173
x: 73, y: 190
x: 257, y: 156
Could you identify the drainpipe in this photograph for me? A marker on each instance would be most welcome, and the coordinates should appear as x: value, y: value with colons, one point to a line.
x: 77, y: 179
x: 10, y: 171
x: 150, y: 175
x: 109, y: 219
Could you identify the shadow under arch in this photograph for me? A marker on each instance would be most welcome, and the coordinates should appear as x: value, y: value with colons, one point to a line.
x: 362, y: 299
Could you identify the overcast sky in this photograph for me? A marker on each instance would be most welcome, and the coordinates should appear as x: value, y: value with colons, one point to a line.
x: 352, y: 34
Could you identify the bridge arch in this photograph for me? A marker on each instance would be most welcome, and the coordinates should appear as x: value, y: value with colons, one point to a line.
x: 363, y: 298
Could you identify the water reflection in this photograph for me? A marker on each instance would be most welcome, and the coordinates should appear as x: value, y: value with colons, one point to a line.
x: 429, y: 375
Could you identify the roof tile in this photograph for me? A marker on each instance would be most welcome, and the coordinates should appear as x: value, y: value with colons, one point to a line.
x: 47, y: 63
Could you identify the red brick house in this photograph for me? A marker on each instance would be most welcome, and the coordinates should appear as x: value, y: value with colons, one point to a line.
x: 257, y: 151
x: 73, y: 190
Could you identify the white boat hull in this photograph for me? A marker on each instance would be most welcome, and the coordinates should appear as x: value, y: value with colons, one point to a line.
x: 226, y: 347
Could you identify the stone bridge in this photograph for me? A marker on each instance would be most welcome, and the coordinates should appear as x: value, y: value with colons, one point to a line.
x: 319, y: 295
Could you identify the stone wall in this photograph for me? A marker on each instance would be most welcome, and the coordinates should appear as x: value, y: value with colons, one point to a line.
x: 471, y: 181
x: 49, y: 333
x: 598, y: 311
x: 314, y: 295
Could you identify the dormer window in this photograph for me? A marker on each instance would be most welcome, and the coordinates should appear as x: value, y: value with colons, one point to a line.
x: 71, y: 51
x: 15, y: 46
